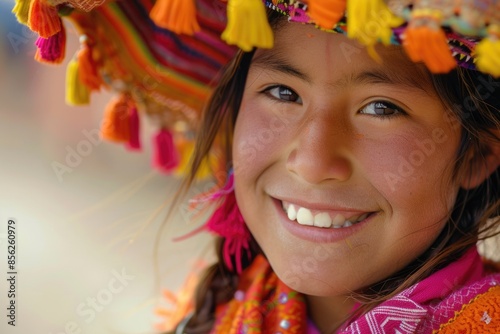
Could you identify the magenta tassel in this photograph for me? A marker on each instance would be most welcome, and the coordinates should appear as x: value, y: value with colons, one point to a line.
x: 52, y: 49
x: 228, y: 222
x: 165, y: 155
x: 134, y: 143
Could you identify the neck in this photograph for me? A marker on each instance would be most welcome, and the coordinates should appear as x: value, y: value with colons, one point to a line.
x: 329, y: 313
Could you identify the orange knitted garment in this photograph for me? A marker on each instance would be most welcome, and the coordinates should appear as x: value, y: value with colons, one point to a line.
x: 480, y: 315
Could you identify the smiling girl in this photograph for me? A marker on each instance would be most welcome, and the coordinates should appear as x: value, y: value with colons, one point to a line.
x: 360, y: 164
x: 364, y: 185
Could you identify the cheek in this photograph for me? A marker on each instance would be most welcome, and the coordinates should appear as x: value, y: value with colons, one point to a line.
x: 258, y: 138
x: 413, y: 170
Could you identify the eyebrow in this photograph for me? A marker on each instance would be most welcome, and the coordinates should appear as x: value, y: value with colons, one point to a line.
x: 415, y: 79
x: 275, y: 62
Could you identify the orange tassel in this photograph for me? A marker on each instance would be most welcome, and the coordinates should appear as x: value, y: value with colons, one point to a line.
x: 178, y: 16
x: 326, y: 13
x: 88, y: 68
x: 44, y: 19
x: 116, y: 124
x: 424, y: 44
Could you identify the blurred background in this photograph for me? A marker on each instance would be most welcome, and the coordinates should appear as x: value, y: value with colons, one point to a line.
x: 86, y: 237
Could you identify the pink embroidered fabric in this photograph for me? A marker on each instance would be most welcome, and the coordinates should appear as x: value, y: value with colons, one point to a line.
x: 430, y: 303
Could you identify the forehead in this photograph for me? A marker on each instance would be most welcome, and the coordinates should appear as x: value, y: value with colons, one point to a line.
x: 305, y: 47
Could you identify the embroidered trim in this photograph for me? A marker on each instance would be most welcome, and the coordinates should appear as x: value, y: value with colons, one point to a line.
x: 480, y: 315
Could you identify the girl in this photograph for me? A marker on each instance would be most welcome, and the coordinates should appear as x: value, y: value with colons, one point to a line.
x: 358, y: 177
x: 364, y: 184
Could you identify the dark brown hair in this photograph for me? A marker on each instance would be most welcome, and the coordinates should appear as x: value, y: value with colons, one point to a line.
x: 473, y: 100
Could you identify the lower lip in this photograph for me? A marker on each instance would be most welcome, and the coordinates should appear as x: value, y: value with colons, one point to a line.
x: 318, y: 234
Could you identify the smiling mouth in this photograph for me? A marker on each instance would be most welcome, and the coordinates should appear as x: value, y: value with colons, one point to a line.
x: 308, y: 217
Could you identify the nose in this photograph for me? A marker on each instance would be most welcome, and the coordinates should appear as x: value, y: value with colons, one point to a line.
x: 320, y: 152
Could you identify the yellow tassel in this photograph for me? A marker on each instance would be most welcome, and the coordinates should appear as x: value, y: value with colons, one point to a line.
x: 77, y: 93
x: 488, y: 52
x: 44, y: 19
x: 178, y: 16
x: 326, y: 13
x: 247, y: 25
x: 22, y: 10
x: 370, y: 21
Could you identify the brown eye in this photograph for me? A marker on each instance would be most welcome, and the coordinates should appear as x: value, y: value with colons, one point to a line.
x: 284, y: 93
x: 381, y: 108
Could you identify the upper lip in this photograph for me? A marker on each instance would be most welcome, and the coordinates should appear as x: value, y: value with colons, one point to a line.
x: 319, y: 206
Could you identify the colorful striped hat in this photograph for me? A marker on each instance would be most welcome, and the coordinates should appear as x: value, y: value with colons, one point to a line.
x: 163, y: 57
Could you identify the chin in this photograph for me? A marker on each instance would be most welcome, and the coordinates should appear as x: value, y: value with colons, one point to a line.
x: 311, y: 280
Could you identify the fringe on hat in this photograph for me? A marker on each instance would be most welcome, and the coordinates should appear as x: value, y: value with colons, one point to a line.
x: 52, y: 50
x: 178, y: 16
x: 247, y: 25
x: 77, y: 94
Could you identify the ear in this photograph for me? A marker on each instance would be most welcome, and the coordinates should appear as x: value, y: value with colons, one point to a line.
x: 481, y: 165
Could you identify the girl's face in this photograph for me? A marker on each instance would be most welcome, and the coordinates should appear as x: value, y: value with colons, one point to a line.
x: 343, y: 165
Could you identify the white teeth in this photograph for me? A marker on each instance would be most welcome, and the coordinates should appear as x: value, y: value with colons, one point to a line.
x: 292, y: 213
x: 347, y: 224
x: 305, y: 217
x: 322, y: 220
x: 338, y: 221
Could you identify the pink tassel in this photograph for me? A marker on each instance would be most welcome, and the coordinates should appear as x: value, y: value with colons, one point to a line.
x: 134, y: 142
x: 53, y: 48
x: 228, y: 223
x: 165, y: 156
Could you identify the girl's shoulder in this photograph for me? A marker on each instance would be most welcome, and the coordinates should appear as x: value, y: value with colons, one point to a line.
x: 481, y: 314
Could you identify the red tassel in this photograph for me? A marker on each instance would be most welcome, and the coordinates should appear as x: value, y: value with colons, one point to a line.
x: 134, y: 142
x: 165, y: 155
x: 228, y: 222
x: 44, y: 19
x: 88, y: 72
x: 53, y: 49
x: 116, y: 122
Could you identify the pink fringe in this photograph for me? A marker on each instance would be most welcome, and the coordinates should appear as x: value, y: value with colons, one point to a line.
x: 52, y: 49
x: 165, y: 156
x: 228, y: 223
x: 134, y: 143
x: 228, y: 188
